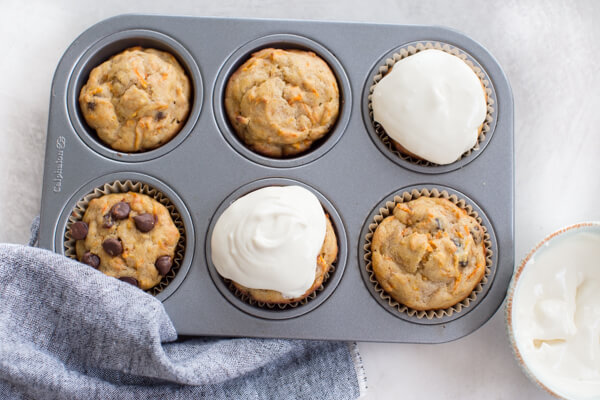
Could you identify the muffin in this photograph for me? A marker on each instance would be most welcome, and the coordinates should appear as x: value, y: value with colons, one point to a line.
x: 429, y: 254
x: 280, y: 101
x: 432, y: 105
x: 275, y: 244
x: 129, y: 236
x: 137, y: 100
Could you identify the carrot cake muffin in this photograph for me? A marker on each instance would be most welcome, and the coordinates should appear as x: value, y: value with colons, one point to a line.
x: 280, y: 101
x: 429, y: 254
x: 275, y: 244
x: 129, y: 236
x: 432, y: 105
x: 137, y: 100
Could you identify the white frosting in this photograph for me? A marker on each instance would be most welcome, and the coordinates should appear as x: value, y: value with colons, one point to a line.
x: 433, y: 104
x: 556, y: 315
x: 270, y: 239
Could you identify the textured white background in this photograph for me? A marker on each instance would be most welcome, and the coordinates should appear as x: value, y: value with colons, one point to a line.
x: 549, y: 50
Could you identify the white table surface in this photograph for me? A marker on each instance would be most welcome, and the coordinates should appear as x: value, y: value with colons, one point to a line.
x: 549, y: 50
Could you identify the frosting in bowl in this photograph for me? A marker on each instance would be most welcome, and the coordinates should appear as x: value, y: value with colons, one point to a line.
x: 432, y: 104
x: 270, y: 239
x: 556, y: 315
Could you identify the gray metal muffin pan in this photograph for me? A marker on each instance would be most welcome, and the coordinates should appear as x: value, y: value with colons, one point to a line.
x: 205, y: 166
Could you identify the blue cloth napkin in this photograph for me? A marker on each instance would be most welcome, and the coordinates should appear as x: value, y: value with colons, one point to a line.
x: 68, y: 331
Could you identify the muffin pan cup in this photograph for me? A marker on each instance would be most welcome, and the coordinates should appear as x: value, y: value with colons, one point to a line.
x: 137, y: 186
x: 385, y: 209
x: 385, y: 143
x: 139, y: 183
x: 204, y: 166
x: 290, y: 310
x: 113, y: 44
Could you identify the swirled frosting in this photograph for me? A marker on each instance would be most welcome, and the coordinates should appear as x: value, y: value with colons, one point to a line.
x: 433, y: 104
x: 270, y: 239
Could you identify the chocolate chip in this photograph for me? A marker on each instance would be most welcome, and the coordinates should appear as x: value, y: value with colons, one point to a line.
x: 438, y: 223
x: 144, y: 222
x: 91, y: 259
x: 160, y: 115
x: 79, y: 230
x: 107, y: 221
x: 463, y: 263
x: 112, y: 246
x: 130, y: 280
x: 91, y: 105
x: 163, y: 264
x: 120, y: 210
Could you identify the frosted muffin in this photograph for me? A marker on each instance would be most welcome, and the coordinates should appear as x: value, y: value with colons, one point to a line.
x: 429, y: 254
x: 129, y: 236
x: 137, y: 100
x: 432, y: 105
x: 275, y: 244
x: 281, y: 101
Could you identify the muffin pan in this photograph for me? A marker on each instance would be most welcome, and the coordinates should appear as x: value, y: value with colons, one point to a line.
x: 206, y: 166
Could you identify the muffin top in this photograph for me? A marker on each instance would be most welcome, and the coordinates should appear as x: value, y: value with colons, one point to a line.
x: 127, y: 235
x: 432, y: 104
x: 270, y: 239
x: 137, y: 100
x: 280, y: 101
x: 429, y: 254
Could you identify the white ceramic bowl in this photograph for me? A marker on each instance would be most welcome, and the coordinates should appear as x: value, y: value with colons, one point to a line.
x: 583, y: 226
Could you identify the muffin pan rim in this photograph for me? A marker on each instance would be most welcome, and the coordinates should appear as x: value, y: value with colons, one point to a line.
x: 183, y: 56
x: 362, y: 263
x: 283, y: 41
x: 433, y: 169
x: 88, y: 187
x: 329, y: 285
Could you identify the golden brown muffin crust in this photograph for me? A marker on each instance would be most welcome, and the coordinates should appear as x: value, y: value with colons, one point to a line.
x: 280, y: 101
x: 137, y: 100
x: 429, y: 254
x: 324, y: 260
x: 140, y: 249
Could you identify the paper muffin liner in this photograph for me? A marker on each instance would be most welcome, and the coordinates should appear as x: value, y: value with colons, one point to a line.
x: 388, y: 210
x: 249, y: 300
x: 413, y: 49
x: 124, y: 186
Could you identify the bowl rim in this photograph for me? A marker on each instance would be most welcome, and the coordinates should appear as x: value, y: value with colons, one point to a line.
x: 510, y: 298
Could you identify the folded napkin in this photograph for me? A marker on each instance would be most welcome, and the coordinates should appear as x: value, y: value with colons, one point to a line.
x: 68, y: 331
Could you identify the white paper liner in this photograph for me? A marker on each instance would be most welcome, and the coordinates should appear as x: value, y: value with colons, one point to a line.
x: 124, y: 187
x: 385, y: 212
x: 409, y: 51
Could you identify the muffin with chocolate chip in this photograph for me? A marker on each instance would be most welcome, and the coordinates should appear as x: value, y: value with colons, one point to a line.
x: 281, y: 101
x: 137, y: 100
x: 429, y: 254
x: 129, y: 236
